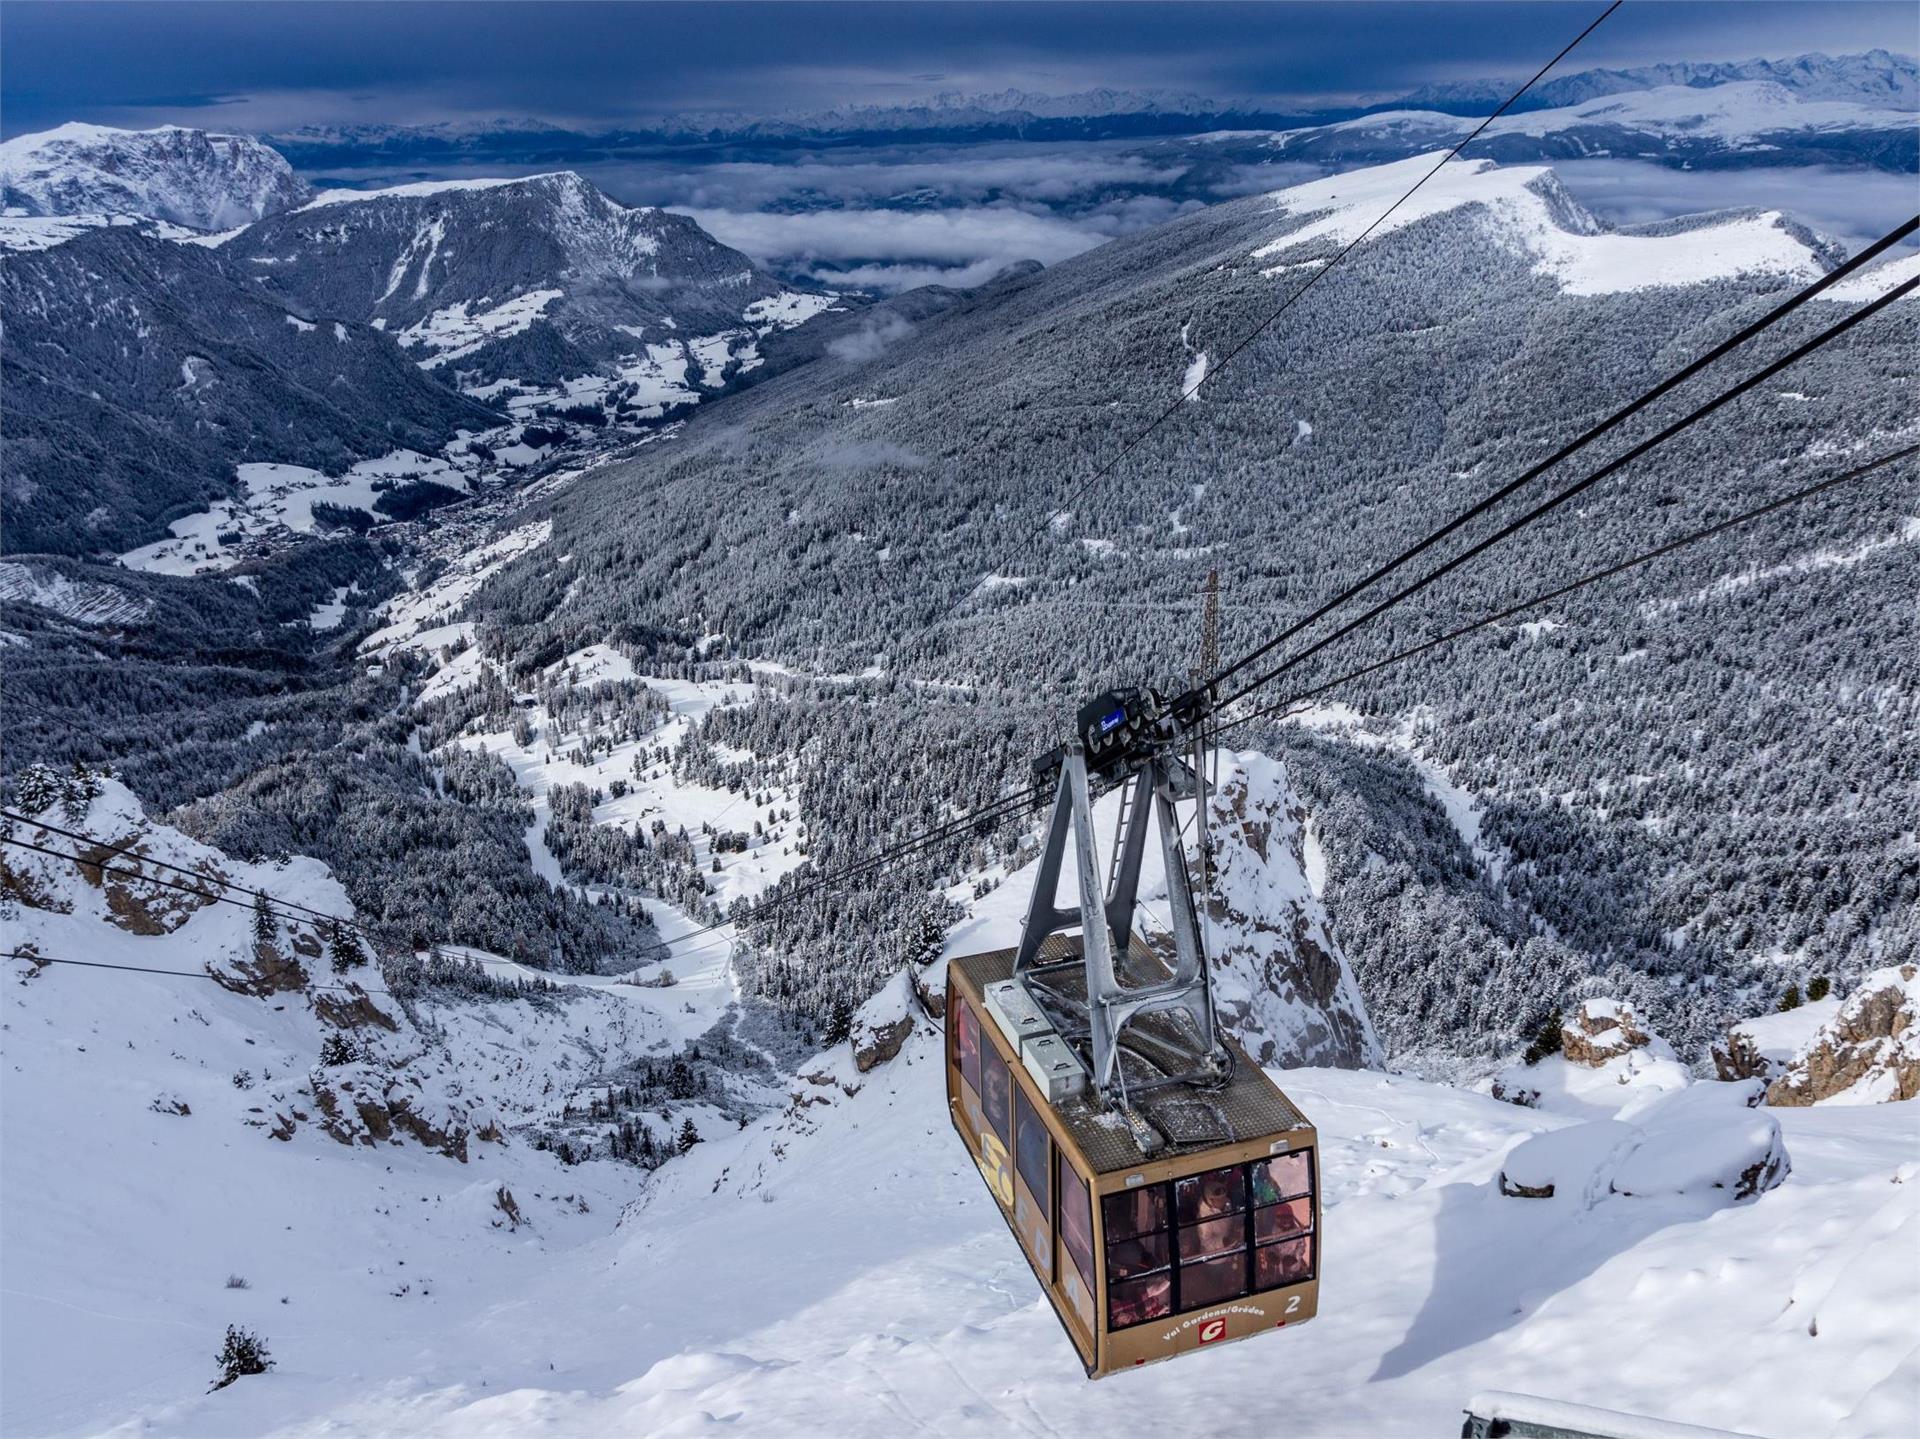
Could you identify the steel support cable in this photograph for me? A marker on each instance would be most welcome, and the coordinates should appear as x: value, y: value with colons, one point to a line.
x: 1692, y: 417
x: 989, y: 813
x: 110, y: 851
x: 1293, y: 298
x: 1297, y: 702
x: 953, y: 829
x: 1587, y: 437
x: 39, y: 958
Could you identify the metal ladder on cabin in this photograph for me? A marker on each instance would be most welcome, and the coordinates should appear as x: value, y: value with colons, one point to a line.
x: 1118, y: 847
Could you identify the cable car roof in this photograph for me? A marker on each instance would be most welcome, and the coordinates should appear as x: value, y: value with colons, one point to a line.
x: 1250, y: 1106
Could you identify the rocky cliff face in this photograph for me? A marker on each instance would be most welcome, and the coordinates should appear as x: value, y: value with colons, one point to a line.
x: 1867, y: 1053
x: 1281, y: 985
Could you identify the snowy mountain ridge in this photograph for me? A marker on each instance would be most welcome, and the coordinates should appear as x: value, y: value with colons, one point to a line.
x: 535, y: 290
x: 194, y: 178
x: 1527, y: 209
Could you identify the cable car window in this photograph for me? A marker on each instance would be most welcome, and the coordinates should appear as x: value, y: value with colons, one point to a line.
x: 1282, y: 1221
x: 967, y: 1040
x: 1215, y: 1236
x: 1135, y: 1211
x: 1211, y: 1280
x: 1139, y: 1249
x: 1030, y: 1154
x: 1290, y: 1262
x: 1213, y: 1194
x: 996, y: 1094
x: 1076, y: 1220
x: 1138, y: 1300
x: 1284, y: 1177
x: 1130, y: 1258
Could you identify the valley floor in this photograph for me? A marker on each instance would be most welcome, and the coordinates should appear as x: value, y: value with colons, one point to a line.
x: 837, y: 1268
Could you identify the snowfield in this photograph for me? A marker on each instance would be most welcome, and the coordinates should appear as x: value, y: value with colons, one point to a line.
x: 839, y: 1270
x: 278, y: 497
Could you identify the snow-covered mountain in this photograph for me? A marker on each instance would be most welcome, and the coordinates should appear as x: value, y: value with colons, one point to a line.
x: 540, y: 284
x: 143, y: 371
x: 194, y: 178
x: 1873, y: 77
x: 1746, y: 121
x: 1525, y: 210
x: 139, y: 372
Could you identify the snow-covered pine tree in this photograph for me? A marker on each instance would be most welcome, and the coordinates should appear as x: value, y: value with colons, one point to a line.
x: 244, y: 1353
x: 344, y: 949
x: 264, y: 925
x: 36, y: 789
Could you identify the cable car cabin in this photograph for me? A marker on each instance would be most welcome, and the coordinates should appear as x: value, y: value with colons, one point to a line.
x: 1213, y: 1237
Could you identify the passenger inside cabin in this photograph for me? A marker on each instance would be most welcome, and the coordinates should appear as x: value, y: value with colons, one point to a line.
x: 1149, y: 1299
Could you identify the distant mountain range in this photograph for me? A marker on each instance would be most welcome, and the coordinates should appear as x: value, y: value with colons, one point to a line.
x: 1876, y: 79
x: 1735, y: 123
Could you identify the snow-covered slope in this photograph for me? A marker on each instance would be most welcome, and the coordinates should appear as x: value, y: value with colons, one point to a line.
x: 838, y: 1269
x: 1527, y: 210
x: 186, y: 177
x: 540, y: 284
x: 831, y: 1267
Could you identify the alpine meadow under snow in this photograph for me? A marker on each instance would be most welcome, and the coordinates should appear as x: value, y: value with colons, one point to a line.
x: 468, y: 637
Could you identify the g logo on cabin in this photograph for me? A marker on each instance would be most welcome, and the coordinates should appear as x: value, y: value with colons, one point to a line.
x: 995, y: 1169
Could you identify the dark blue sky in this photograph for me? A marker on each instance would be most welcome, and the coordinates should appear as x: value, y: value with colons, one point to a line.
x: 263, y: 66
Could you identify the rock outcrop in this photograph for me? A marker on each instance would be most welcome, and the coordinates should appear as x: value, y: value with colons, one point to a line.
x: 364, y: 1104
x: 1608, y: 1058
x: 1764, y: 1048
x: 882, y: 1024
x: 1867, y: 1053
x: 1281, y: 986
x: 1601, y: 1030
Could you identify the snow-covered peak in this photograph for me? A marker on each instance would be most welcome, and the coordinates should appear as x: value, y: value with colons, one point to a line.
x: 186, y: 177
x: 1526, y: 208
